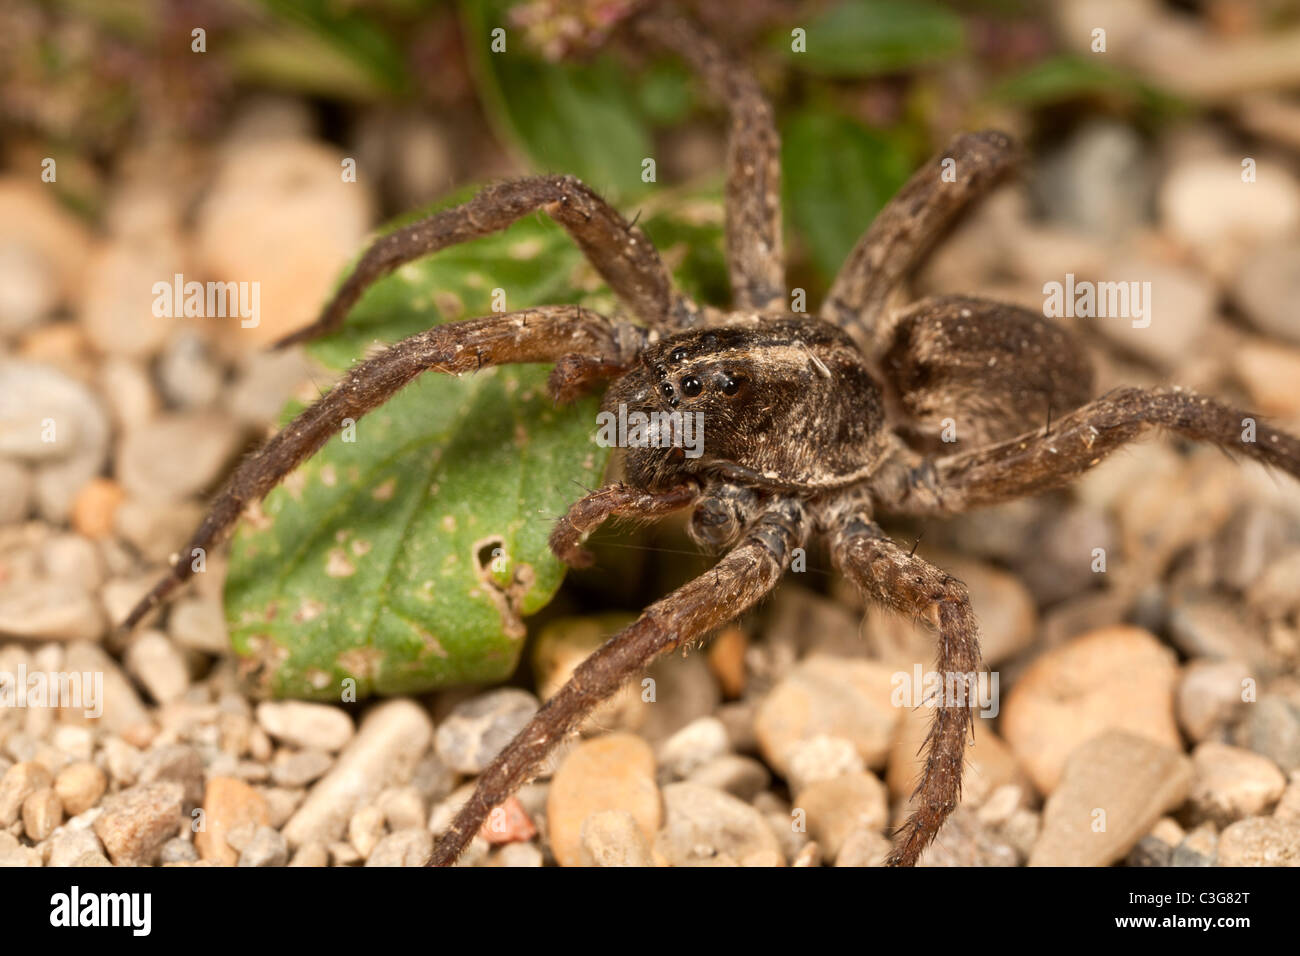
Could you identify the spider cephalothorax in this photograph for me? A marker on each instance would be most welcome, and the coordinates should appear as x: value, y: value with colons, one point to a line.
x: 812, y: 424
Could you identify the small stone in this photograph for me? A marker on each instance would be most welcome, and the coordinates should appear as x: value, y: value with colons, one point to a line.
x: 704, y: 827
x: 1210, y: 695
x: 507, y: 823
x: 1268, y: 287
x: 20, y: 782
x: 266, y: 848
x: 177, y: 455
x: 51, y: 611
x: 834, y: 696
x: 726, y: 657
x: 343, y: 853
x: 305, y: 725
x: 311, y: 854
x: 742, y: 777
x: 1198, y: 848
x: 821, y: 758
x: 684, y: 690
x: 1204, y: 202
x: 69, y: 843
x: 839, y: 806
x: 187, y: 374
x: 1232, y: 783
x: 479, y: 728
x: 990, y: 763
x: 1118, y: 678
x: 136, y: 822
x: 91, y: 859
x: 17, y: 484
x: 1288, y: 808
x: 1112, y: 790
x: 79, y: 786
x: 227, y: 804
x: 1260, y: 841
x: 42, y: 812
x: 117, y: 310
x: 614, y: 838
x: 393, y: 736
x: 615, y: 772
x: 694, y: 745
x: 180, y: 763
x: 122, y: 707
x: 178, y: 850
x: 199, y: 625
x: 519, y: 855
x: 281, y: 802
x: 365, y: 829
x: 73, y: 559
x: 1272, y: 728
x: 403, y: 807
x: 300, y: 768
x: 1268, y: 372
x: 966, y: 842
x: 409, y: 846
x: 863, y: 848
x: 1150, y: 852
x: 13, y: 853
x: 157, y: 664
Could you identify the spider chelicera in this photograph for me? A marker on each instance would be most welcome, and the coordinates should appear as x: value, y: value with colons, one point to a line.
x: 816, y: 424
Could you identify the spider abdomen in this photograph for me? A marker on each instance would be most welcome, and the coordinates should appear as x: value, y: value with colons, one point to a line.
x: 789, y: 404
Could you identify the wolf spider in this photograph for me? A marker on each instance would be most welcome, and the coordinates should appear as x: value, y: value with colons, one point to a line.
x: 816, y: 424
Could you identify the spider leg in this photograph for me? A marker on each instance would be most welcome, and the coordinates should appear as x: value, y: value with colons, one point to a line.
x: 888, y: 574
x: 531, y: 335
x: 1036, y: 461
x: 588, y: 513
x: 755, y: 255
x: 910, y: 224
x: 622, y: 253
x: 740, y: 579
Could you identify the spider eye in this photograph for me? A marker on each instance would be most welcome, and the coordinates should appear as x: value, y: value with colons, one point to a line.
x: 692, y: 386
x: 709, y: 340
x: 666, y: 389
x: 729, y: 384
x: 661, y: 371
x: 679, y: 355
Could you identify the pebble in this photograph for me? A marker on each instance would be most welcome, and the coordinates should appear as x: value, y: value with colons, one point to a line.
x: 305, y: 725
x: 1288, y: 808
x: 20, y: 782
x: 614, y: 838
x: 706, y: 827
x: 1268, y: 287
x: 821, y: 758
x: 614, y: 772
x: 178, y: 850
x: 69, y: 843
x: 478, y: 729
x: 1268, y: 372
x: 13, y: 853
x: 51, y: 611
x: 863, y: 848
x: 266, y: 848
x: 74, y: 560
x: 1198, y: 848
x: 299, y: 768
x: 1204, y: 202
x: 1007, y: 612
x: 409, y: 846
x: 35, y: 399
x: 366, y: 828
x: 519, y: 855
x: 154, y: 528
x: 990, y: 763
x: 507, y: 823
x: 697, y: 743
x: 126, y: 387
x: 1210, y: 695
x: 1232, y: 783
x: 122, y: 707
x: 1181, y: 308
x: 227, y: 804
x: 17, y: 486
x: 136, y: 822
x: 94, y: 508
x: 265, y: 383
x: 965, y: 842
x: 177, y: 455
x: 839, y: 806
x: 1272, y: 728
x: 180, y: 763
x: 835, y: 696
x: 740, y: 776
x: 403, y: 807
x: 198, y: 624
x: 726, y: 658
x: 393, y: 736
x: 292, y: 242
x: 1117, y: 678
x: 1260, y: 841
x: 42, y: 812
x: 157, y: 664
x: 311, y: 854
x: 79, y: 786
x: 187, y: 374
x: 683, y: 690
x: 1112, y: 790
x: 117, y: 309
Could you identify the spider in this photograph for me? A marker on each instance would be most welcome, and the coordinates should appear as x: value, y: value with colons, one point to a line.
x: 816, y: 424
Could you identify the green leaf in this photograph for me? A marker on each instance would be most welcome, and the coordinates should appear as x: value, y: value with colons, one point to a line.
x: 838, y: 175
x: 375, y: 560
x: 583, y: 119
x: 1071, y: 77
x: 871, y: 37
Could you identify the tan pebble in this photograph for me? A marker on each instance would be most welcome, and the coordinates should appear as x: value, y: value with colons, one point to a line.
x: 94, y: 510
x: 310, y: 854
x: 1232, y: 783
x: 20, y: 782
x: 1118, y: 678
x: 1260, y: 841
x: 227, y: 803
x: 79, y: 786
x: 726, y: 656
x: 614, y: 838
x: 839, y: 806
x: 42, y: 812
x: 615, y: 772
x: 507, y: 823
x: 365, y: 829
